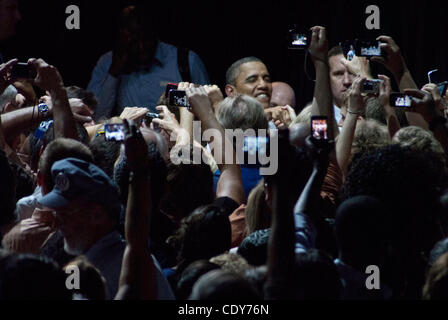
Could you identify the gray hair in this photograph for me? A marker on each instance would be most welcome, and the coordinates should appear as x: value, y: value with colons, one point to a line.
x: 242, y: 112
x: 7, y: 96
x: 234, y: 70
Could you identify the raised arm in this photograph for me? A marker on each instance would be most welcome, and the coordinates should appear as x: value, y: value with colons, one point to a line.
x: 393, y: 125
x: 230, y: 182
x: 323, y: 99
x: 281, y: 242
x: 137, y: 278
x: 395, y: 63
x: 356, y: 104
x: 49, y: 79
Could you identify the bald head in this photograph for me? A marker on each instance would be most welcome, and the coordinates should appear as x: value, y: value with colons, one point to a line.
x: 282, y: 95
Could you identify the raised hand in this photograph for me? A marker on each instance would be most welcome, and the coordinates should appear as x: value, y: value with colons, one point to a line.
x: 319, y: 44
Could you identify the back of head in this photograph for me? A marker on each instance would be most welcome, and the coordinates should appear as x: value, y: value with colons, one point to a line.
x: 361, y: 231
x: 30, y: 277
x: 93, y: 284
x: 234, y: 70
x: 105, y: 153
x: 422, y: 141
x: 222, y: 285
x: 231, y: 262
x: 242, y: 112
x: 254, y: 248
x: 204, y: 234
x: 317, y: 276
x: 282, y: 95
x: 190, y: 275
x: 87, y: 97
x: 60, y: 149
x: 40, y: 140
x: 369, y: 135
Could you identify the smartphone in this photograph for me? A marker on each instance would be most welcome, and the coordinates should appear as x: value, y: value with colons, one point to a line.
x: 319, y: 128
x: 371, y: 86
x: 21, y: 70
x: 169, y: 87
x: 367, y: 48
x: 178, y: 98
x: 114, y: 132
x: 401, y: 100
x: 298, y: 40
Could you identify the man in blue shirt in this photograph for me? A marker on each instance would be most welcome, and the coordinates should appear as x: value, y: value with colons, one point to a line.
x: 138, y: 70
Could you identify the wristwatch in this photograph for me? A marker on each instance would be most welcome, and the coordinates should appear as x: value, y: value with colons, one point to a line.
x: 43, y: 109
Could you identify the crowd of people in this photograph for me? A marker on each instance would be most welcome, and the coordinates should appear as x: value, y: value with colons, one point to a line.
x: 141, y: 218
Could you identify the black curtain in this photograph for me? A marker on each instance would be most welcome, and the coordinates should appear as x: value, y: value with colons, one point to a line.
x: 224, y: 31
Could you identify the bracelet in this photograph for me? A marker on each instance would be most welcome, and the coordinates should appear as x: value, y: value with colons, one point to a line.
x: 357, y: 113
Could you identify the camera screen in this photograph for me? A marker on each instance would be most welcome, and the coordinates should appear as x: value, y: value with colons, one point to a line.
x: 255, y: 145
x: 368, y: 48
x: 114, y: 132
x: 299, y: 40
x: 178, y: 98
x: 320, y: 129
x: 403, y: 101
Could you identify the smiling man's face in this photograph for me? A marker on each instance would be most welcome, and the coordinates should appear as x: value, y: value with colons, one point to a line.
x: 254, y: 80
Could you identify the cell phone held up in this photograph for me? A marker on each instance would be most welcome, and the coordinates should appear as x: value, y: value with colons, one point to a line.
x: 368, y: 48
x: 114, y: 132
x: 400, y: 100
x: 178, y: 98
x: 298, y: 40
x: 319, y: 128
x: 371, y: 87
x: 22, y: 70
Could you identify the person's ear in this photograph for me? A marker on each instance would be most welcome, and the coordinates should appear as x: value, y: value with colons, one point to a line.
x: 9, y: 107
x: 40, y: 178
x: 230, y: 90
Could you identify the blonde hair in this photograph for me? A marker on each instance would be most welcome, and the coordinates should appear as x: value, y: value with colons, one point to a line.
x: 258, y: 214
x: 369, y: 135
x: 422, y: 141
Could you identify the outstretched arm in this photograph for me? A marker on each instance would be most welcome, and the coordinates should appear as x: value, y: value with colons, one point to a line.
x: 49, y: 79
x: 323, y: 99
x: 137, y: 278
x: 281, y: 242
x: 230, y: 182
x: 395, y: 63
x: 393, y: 125
x: 356, y: 105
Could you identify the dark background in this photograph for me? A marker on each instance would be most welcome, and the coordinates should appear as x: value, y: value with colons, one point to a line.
x: 223, y: 31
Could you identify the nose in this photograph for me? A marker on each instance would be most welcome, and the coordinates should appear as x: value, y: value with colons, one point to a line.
x: 348, y: 79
